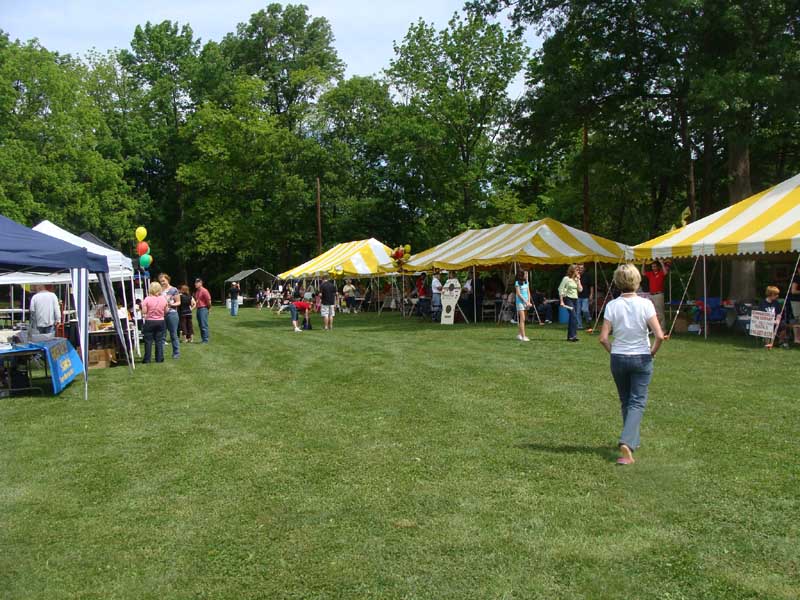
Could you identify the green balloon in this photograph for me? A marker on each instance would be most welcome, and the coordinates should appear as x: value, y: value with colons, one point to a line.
x: 145, y: 260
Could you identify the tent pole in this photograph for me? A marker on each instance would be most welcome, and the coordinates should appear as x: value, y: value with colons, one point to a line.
x: 705, y: 300
x: 474, y: 298
x: 595, y: 287
x: 127, y: 320
x: 23, y: 304
x: 135, y: 322
x: 13, y: 306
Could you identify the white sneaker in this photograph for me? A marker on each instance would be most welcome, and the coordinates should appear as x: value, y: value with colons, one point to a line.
x: 526, y: 339
x: 519, y: 337
x: 298, y: 330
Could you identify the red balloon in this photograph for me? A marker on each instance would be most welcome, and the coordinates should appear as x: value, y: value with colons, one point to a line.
x: 142, y: 248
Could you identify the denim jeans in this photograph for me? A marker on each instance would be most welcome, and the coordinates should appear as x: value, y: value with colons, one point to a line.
x: 632, y: 374
x: 202, y: 322
x: 583, y: 309
x: 572, y: 324
x: 234, y: 306
x: 172, y: 319
x: 153, y: 333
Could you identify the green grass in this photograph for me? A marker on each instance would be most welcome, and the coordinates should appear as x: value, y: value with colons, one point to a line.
x: 397, y: 459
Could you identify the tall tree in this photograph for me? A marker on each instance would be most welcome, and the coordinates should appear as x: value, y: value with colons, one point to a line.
x: 54, y: 145
x: 162, y: 61
x: 290, y: 52
x: 453, y: 84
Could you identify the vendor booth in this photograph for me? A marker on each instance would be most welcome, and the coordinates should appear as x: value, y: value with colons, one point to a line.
x: 543, y: 242
x: 765, y: 223
x: 120, y: 269
x: 364, y: 258
x: 264, y: 279
x: 23, y: 250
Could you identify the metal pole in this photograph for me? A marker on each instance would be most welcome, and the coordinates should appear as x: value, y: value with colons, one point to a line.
x: 127, y: 320
x: 595, y: 287
x: 135, y: 322
x: 13, y: 307
x: 705, y: 301
x: 474, y: 298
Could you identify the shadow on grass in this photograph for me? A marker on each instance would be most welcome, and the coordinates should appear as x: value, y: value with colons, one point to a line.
x: 605, y: 452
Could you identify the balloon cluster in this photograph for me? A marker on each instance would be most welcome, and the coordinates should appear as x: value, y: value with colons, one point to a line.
x: 143, y: 248
x: 400, y: 255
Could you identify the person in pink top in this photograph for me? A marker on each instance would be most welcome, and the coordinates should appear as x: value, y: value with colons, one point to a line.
x: 154, y: 309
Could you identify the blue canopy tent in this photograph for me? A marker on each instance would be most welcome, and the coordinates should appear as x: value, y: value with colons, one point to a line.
x: 25, y: 250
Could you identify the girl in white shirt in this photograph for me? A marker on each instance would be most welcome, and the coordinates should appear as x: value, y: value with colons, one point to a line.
x: 629, y: 318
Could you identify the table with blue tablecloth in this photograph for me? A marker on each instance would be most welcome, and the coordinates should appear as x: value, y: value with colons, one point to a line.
x: 61, y: 361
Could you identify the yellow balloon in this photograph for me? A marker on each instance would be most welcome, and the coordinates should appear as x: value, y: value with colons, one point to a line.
x: 141, y: 233
x: 407, y: 248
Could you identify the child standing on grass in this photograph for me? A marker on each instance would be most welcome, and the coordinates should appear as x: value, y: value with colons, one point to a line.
x: 522, y: 301
x: 185, y: 312
x: 154, y: 309
x: 771, y: 305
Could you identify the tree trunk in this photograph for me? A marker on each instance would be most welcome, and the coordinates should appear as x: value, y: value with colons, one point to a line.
x: 687, y: 150
x: 706, y: 195
x: 585, y: 177
x: 743, y: 273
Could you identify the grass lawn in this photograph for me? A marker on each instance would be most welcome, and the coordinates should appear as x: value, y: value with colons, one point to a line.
x: 392, y: 458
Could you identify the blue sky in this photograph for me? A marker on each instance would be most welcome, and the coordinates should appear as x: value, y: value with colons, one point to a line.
x: 364, y: 29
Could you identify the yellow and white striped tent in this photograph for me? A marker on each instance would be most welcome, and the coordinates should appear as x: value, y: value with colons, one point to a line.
x: 363, y: 258
x: 543, y: 242
x: 764, y: 223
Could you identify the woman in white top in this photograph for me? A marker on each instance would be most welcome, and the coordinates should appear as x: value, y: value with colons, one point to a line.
x: 629, y: 318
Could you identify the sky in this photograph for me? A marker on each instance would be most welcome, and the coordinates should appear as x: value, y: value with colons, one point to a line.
x: 364, y: 29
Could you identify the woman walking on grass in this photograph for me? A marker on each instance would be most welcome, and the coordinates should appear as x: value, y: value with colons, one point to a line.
x: 628, y: 318
x: 154, y: 310
x: 568, y: 294
x: 522, y: 300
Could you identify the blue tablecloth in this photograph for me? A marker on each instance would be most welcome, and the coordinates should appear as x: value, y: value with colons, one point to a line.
x: 61, y: 357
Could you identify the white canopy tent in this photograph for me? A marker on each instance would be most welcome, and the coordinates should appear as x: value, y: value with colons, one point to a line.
x: 120, y: 269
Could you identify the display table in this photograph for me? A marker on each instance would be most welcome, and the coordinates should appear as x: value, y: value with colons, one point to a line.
x: 11, y: 359
x: 61, y: 363
x: 9, y: 315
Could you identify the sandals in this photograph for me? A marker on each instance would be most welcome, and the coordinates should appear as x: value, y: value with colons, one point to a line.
x: 627, y: 455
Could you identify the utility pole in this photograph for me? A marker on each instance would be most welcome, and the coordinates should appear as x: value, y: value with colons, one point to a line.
x: 319, y: 221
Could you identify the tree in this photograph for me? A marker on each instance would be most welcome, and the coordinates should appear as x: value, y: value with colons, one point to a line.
x: 290, y: 52
x: 52, y: 143
x: 453, y: 85
x: 162, y: 61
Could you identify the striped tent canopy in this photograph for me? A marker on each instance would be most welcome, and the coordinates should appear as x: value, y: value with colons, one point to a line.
x: 543, y: 242
x: 768, y: 222
x: 363, y: 258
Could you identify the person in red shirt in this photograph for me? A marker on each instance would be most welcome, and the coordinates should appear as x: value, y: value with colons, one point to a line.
x: 203, y: 300
x: 655, y: 279
x: 295, y: 307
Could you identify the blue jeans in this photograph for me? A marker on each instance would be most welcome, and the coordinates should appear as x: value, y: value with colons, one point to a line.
x: 234, y: 306
x: 436, y: 307
x: 572, y: 324
x: 153, y: 333
x: 632, y: 374
x: 583, y: 309
x: 202, y: 322
x: 172, y: 319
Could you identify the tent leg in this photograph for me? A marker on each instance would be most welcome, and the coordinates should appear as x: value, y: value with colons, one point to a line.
x: 474, y: 298
x: 127, y: 321
x: 135, y: 322
x: 705, y: 301
x: 13, y: 307
x: 595, y: 287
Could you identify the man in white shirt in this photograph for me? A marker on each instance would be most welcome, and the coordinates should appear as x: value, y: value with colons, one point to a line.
x: 436, y: 297
x: 45, y: 311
